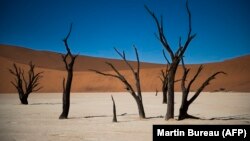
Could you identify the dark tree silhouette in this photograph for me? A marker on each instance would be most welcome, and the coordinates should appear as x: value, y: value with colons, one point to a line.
x: 69, y: 61
x: 164, y: 80
x: 114, y: 110
x: 25, y: 86
x: 175, y: 57
x: 186, y: 89
x: 136, y: 95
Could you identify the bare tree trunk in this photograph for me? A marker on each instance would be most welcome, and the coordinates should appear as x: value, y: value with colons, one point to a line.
x: 184, y: 106
x: 66, y: 96
x: 171, y: 82
x: 164, y: 80
x: 69, y: 67
x: 24, y: 99
x: 164, y: 96
x: 170, y: 108
x: 140, y: 109
x: 183, y: 112
x: 114, y: 110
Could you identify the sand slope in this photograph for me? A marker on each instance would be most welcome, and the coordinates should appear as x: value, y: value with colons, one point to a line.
x: 51, y: 60
x: 238, y: 78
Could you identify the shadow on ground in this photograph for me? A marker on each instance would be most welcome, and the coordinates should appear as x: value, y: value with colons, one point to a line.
x: 45, y: 103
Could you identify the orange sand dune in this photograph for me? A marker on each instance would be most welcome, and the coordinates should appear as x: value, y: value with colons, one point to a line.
x: 51, y: 60
x: 238, y: 78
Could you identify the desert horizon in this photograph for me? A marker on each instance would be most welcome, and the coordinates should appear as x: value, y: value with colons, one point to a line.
x: 236, y: 80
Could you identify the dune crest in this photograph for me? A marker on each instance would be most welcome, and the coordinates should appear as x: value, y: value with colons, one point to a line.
x: 238, y: 78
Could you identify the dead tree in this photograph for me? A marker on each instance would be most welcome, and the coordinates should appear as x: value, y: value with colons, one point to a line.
x: 136, y: 95
x: 175, y: 57
x: 186, y: 89
x: 164, y: 80
x: 69, y: 61
x: 25, y: 86
x: 114, y: 110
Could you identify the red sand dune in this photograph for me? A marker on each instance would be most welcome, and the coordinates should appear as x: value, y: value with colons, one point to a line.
x: 237, y: 69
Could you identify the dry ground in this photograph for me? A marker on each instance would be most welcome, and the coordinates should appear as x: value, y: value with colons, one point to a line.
x: 39, y: 120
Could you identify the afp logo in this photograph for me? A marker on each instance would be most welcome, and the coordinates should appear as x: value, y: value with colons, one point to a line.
x: 234, y: 133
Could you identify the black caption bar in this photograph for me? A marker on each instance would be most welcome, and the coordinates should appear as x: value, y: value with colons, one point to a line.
x: 218, y: 132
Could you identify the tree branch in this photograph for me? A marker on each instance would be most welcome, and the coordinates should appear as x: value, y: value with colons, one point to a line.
x: 125, y: 60
x: 195, y: 76
x: 165, y: 57
x: 105, y: 74
x: 161, y: 32
x: 64, y: 57
x: 65, y: 40
x: 204, y: 84
x: 185, y: 73
x: 25, y: 82
x: 190, y: 37
x: 138, y: 60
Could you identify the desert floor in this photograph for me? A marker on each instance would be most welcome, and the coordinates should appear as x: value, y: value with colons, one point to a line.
x: 39, y: 121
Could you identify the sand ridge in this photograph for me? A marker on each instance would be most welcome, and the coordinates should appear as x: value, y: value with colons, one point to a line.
x: 237, y: 69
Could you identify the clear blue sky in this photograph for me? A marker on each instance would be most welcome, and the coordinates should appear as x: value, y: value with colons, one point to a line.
x: 222, y: 27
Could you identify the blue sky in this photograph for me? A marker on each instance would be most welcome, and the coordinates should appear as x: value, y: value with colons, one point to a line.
x: 222, y: 27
